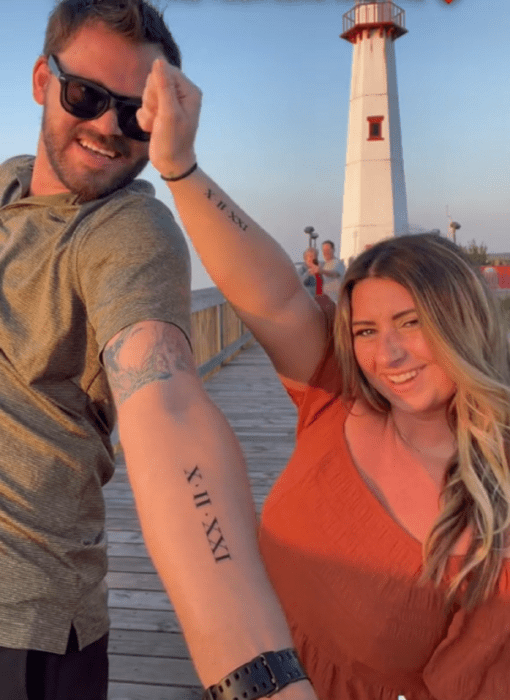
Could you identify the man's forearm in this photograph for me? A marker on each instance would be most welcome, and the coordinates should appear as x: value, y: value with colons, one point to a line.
x: 198, y: 521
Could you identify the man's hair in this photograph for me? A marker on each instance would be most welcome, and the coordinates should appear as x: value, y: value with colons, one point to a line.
x: 463, y: 325
x: 137, y: 20
x: 329, y: 243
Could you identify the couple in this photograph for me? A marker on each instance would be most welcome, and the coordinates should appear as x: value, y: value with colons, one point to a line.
x: 322, y: 278
x: 385, y: 539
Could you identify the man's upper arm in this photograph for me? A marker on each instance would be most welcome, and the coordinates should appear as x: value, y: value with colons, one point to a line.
x: 132, y: 264
x: 150, y: 355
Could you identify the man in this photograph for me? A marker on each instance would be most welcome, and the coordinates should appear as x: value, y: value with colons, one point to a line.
x: 94, y: 320
x: 332, y: 270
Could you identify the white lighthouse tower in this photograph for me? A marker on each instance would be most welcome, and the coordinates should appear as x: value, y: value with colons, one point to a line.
x: 375, y: 203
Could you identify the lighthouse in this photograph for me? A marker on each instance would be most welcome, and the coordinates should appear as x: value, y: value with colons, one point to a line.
x: 374, y: 203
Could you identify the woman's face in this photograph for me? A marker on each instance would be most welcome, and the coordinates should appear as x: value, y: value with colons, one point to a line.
x: 309, y: 256
x: 392, y: 351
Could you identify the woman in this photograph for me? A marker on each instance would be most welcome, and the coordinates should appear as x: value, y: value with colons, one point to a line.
x: 309, y: 273
x: 386, y: 537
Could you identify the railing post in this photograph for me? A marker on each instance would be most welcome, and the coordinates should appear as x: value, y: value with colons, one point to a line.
x: 221, y: 334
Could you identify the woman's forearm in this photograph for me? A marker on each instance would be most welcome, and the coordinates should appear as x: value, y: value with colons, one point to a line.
x: 247, y: 265
x: 245, y: 262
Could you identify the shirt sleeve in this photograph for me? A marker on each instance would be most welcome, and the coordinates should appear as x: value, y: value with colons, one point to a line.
x: 133, y: 265
x: 325, y: 384
x: 340, y: 268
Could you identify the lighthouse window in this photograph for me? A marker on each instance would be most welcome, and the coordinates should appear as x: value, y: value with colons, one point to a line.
x: 375, y: 128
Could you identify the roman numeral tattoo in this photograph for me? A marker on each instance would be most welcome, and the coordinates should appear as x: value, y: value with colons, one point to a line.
x: 222, y: 207
x: 216, y: 541
x: 195, y: 474
x: 201, y: 499
x: 238, y: 221
x: 215, y: 538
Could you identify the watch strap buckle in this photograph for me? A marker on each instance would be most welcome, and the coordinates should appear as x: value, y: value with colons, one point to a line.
x: 283, y: 667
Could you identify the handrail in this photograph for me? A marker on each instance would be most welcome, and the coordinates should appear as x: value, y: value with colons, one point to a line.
x: 217, y: 333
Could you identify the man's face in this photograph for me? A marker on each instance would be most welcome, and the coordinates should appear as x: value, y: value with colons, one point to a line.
x: 327, y: 251
x: 91, y: 158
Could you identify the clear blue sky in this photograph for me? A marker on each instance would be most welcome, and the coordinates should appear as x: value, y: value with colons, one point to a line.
x: 276, y: 79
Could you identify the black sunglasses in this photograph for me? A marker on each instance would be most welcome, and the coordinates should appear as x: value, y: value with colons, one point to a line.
x: 87, y: 100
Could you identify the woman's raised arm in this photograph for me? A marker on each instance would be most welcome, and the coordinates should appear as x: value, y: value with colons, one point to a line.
x: 247, y: 265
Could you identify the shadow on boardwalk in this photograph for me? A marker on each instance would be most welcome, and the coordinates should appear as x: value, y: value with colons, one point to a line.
x: 148, y: 657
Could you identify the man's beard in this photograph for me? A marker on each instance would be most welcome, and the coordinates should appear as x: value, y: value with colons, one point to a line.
x: 92, y: 184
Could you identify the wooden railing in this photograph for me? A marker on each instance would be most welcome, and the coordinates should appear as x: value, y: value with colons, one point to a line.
x: 217, y: 333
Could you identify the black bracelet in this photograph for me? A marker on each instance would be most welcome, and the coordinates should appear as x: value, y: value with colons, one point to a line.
x: 261, y: 677
x: 180, y: 177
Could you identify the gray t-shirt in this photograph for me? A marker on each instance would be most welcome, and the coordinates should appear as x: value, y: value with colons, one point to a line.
x: 71, y: 277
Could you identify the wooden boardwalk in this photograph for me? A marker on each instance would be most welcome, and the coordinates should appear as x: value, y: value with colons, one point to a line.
x: 148, y: 657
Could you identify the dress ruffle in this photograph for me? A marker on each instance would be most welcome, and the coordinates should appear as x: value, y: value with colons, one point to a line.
x: 338, y: 681
x: 473, y: 661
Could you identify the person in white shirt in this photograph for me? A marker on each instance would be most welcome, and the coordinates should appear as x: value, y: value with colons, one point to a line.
x: 332, y: 271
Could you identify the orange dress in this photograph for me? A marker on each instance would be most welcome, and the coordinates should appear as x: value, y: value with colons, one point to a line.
x: 347, y: 575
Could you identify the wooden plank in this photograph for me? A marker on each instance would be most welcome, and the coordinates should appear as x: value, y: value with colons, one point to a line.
x: 133, y: 565
x: 161, y: 671
x: 135, y: 691
x: 146, y: 620
x: 131, y: 536
x: 139, y: 600
x: 134, y: 581
x: 144, y: 643
x: 127, y: 550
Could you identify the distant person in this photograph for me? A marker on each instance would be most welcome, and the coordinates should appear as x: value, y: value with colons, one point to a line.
x: 310, y: 272
x: 491, y: 277
x: 387, y: 536
x: 332, y: 270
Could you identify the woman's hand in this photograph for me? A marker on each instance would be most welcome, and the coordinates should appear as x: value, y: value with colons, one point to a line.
x: 170, y: 112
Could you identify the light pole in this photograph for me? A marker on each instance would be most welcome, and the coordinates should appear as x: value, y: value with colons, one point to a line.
x: 313, y: 235
x: 454, y: 227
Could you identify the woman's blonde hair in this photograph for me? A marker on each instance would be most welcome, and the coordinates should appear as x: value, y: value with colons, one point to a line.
x: 463, y: 323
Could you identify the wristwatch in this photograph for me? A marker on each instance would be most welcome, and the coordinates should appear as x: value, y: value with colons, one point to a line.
x: 262, y: 677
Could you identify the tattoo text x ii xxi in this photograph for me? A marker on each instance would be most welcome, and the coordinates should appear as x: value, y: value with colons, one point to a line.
x: 231, y: 214
x: 201, y: 499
